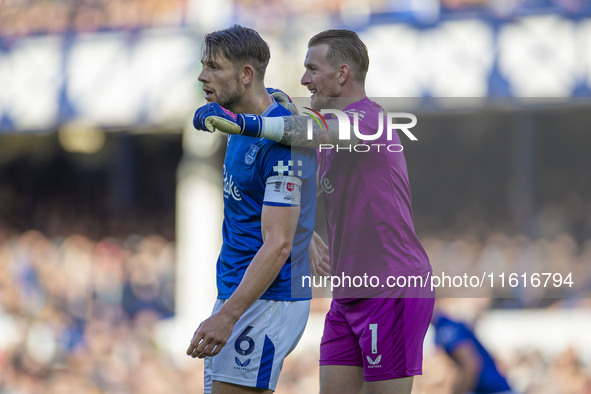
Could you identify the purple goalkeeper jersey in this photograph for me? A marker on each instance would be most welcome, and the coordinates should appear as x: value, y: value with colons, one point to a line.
x: 367, y: 202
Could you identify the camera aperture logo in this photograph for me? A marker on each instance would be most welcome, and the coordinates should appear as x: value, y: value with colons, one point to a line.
x: 317, y: 118
x: 345, y: 127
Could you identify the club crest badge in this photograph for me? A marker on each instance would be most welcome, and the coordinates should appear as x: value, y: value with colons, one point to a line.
x: 251, y: 154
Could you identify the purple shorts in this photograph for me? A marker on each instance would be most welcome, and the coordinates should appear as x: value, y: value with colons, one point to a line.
x: 382, y: 335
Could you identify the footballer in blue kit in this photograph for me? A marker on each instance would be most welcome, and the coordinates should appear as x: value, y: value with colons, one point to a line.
x: 477, y: 366
x: 269, y: 210
x: 260, y: 172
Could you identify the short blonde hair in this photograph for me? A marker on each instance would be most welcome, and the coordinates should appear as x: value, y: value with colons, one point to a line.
x: 344, y: 47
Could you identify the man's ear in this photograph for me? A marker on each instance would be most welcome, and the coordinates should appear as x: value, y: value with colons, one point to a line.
x: 247, y: 74
x: 344, y: 73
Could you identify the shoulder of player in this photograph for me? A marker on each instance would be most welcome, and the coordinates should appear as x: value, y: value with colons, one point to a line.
x: 279, y: 110
x: 365, y: 104
x: 444, y: 324
x: 366, y: 110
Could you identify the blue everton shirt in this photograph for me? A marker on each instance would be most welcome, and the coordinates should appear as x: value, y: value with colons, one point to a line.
x: 258, y: 172
x: 449, y: 334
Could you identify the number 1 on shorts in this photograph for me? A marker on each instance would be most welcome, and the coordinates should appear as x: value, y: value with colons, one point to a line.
x: 374, y: 337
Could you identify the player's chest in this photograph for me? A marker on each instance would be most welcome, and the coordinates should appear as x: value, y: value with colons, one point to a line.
x: 241, y: 172
x: 334, y: 172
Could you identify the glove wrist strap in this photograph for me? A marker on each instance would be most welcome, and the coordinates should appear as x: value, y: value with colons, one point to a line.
x: 251, y: 125
x: 257, y: 126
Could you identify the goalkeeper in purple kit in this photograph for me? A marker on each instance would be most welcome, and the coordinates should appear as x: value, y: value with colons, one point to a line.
x: 373, y: 337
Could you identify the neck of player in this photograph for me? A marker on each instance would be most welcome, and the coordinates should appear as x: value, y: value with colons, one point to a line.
x: 255, y: 100
x: 351, y: 92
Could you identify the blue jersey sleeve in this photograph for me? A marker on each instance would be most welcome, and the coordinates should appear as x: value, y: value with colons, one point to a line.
x: 287, y: 171
x: 450, y: 335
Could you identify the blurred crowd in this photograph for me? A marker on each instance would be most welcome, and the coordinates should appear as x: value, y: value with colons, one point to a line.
x: 26, y: 17
x: 279, y: 15
x: 78, y: 315
x: 492, y: 7
x: 567, y: 266
x: 83, y: 292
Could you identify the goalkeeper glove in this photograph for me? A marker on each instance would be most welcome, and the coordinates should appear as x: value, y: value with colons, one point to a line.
x: 212, y: 117
x: 283, y: 99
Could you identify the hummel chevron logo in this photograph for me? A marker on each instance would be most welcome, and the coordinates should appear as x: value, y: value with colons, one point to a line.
x: 376, y: 361
x: 240, y: 364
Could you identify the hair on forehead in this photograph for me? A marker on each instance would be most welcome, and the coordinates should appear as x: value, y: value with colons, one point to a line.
x: 240, y: 45
x: 344, y: 47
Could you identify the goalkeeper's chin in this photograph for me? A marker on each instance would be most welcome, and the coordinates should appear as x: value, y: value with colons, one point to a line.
x: 318, y: 103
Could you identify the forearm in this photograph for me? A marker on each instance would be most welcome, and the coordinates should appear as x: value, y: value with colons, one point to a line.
x: 277, y: 230
x: 466, y: 382
x: 470, y: 367
x: 259, y: 275
x: 319, y: 257
x: 296, y: 132
x: 300, y: 131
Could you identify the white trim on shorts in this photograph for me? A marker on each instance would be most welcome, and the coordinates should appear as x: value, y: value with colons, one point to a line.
x: 267, y: 332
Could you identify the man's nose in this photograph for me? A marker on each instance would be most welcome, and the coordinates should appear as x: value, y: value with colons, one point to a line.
x: 305, y: 79
x: 202, y: 76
